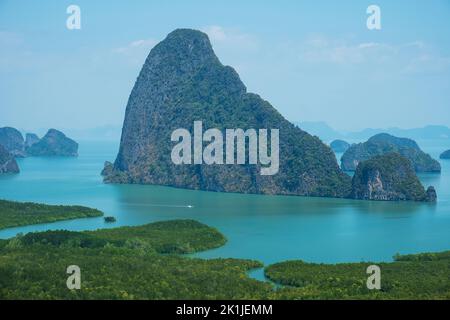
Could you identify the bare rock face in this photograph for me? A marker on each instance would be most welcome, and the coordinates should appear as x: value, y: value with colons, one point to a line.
x: 183, y: 81
x: 54, y: 143
x: 389, y: 177
x: 107, y: 169
x: 7, y: 162
x: 384, y: 143
x: 12, y: 140
x: 30, y: 139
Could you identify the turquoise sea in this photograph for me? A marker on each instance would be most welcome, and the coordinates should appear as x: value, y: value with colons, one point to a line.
x: 266, y: 228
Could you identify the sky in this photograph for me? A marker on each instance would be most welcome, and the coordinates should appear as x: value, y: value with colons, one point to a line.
x: 312, y: 60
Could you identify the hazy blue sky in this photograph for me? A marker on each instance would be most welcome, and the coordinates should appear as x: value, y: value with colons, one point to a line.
x: 313, y: 60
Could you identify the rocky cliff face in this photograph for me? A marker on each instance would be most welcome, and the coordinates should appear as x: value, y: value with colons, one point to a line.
x: 54, y: 143
x: 445, y: 155
x: 12, y: 140
x: 339, y: 146
x: 389, y: 177
x: 384, y: 143
x: 7, y: 162
x: 183, y: 81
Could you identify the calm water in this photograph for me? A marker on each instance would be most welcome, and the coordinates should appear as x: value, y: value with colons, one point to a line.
x: 266, y: 228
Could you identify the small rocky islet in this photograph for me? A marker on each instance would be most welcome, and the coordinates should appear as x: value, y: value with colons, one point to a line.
x: 389, y: 177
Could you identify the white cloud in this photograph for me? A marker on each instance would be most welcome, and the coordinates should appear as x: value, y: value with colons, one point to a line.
x: 234, y: 47
x: 137, y: 45
x: 136, y: 51
x: 407, y: 58
x: 231, y: 39
x: 14, y: 54
x: 323, y: 50
x: 10, y: 39
x: 427, y: 64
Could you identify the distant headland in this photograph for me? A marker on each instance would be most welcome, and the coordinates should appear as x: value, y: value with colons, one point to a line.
x: 13, y: 145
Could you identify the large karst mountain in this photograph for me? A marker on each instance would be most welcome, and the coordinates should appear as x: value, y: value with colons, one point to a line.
x: 7, y: 162
x: 183, y: 81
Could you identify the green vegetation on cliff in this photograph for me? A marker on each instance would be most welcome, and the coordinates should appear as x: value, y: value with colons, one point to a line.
x: 183, y: 81
x: 54, y: 143
x: 13, y: 214
x: 389, y: 177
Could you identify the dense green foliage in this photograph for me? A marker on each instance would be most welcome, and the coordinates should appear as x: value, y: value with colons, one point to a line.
x: 387, y: 177
x: 177, y: 236
x: 428, y: 256
x: 125, y: 263
x: 423, y: 276
x: 13, y: 214
x: 110, y: 219
x: 384, y: 143
x: 143, y: 263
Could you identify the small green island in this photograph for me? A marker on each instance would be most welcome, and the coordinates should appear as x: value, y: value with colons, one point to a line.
x: 110, y: 219
x: 15, y: 214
